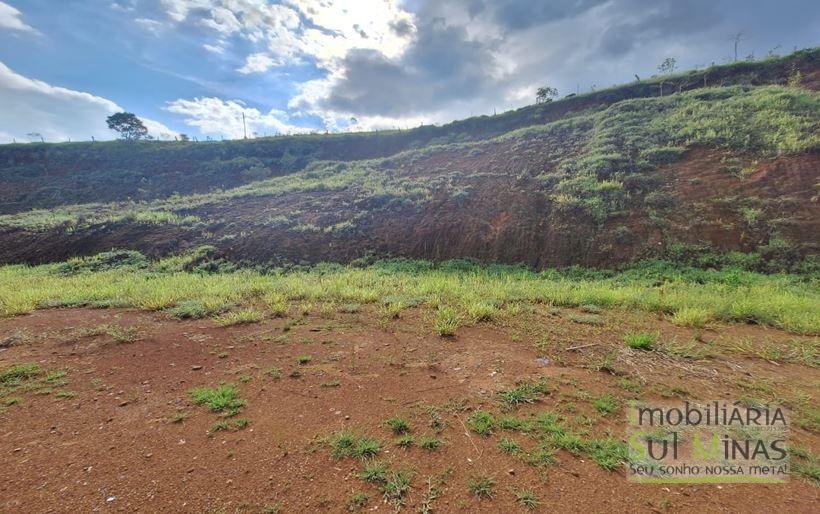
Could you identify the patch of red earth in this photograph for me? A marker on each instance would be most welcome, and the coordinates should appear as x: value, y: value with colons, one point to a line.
x: 112, y: 447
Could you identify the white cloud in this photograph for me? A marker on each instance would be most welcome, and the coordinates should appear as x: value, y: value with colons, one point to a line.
x: 280, y: 36
x: 257, y: 63
x: 11, y: 18
x: 58, y: 113
x: 217, y: 117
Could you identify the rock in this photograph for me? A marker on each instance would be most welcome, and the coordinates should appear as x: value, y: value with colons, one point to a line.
x: 196, y: 367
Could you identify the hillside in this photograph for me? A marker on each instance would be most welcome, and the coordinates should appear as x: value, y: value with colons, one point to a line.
x: 597, y: 179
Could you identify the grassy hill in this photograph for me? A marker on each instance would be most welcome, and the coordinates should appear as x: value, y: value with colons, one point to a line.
x: 597, y: 179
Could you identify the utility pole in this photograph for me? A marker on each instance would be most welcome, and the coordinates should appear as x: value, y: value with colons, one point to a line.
x: 245, y: 129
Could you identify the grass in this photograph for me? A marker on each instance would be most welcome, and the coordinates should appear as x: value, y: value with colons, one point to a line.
x: 346, y: 445
x: 374, y: 472
x: 430, y: 443
x: 527, y: 499
x: 641, y: 340
x: 691, y: 297
x: 242, y: 317
x: 481, y: 486
x: 17, y: 373
x: 358, y: 501
x: 608, y: 453
x: 446, y: 322
x: 396, y: 486
x: 695, y: 317
x: 606, y: 404
x: 482, y: 423
x: 303, y: 359
x: 509, y: 446
x: 223, y: 399
x: 398, y: 425
x: 405, y: 441
x: 524, y: 392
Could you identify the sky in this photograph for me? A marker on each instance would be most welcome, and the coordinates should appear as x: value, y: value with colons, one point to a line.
x: 291, y: 66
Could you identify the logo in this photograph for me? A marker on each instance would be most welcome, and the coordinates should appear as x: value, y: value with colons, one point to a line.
x: 712, y: 442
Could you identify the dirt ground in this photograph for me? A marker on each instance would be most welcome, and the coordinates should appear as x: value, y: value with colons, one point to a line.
x: 124, y: 435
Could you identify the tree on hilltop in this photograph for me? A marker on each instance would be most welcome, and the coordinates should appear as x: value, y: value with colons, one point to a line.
x: 128, y: 125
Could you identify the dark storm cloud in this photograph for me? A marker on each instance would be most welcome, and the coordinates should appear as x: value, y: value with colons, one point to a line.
x: 656, y: 21
x: 522, y: 14
x: 441, y: 66
x: 474, y: 55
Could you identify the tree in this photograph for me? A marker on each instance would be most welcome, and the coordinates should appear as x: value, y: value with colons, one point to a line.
x: 128, y: 125
x: 184, y: 137
x: 668, y: 65
x: 545, y: 94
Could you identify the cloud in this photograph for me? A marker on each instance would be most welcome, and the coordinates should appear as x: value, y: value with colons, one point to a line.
x: 11, y: 18
x: 223, y: 118
x: 288, y: 33
x: 58, y: 113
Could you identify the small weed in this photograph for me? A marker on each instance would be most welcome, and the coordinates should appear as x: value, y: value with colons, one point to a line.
x: 224, y: 399
x: 304, y: 359
x: 332, y: 383
x: 430, y: 443
x: 481, y: 486
x: 641, y: 341
x: 396, y: 486
x: 16, y: 374
x: 219, y: 426
x: 241, y: 423
x: 374, y: 472
x: 65, y: 394
x: 346, y: 445
x: 482, y: 423
x: 524, y: 392
x: 606, y: 404
x: 357, y: 501
x: 527, y: 499
x: 509, y: 446
x: 608, y: 453
x: 398, y: 425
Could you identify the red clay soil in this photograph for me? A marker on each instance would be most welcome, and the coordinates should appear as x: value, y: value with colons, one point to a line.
x: 113, y: 446
x: 505, y: 216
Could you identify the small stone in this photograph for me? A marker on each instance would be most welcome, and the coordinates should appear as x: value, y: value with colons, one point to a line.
x: 123, y: 403
x: 196, y: 367
x: 511, y: 471
x: 110, y: 499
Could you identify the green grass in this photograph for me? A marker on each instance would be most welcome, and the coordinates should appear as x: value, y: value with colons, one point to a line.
x: 691, y: 297
x: 303, y: 359
x: 606, y: 404
x: 239, y: 318
x: 223, y: 399
x: 524, y: 392
x: 374, y: 472
x: 641, y: 340
x: 508, y: 446
x: 447, y: 321
x: 358, y: 501
x: 695, y: 317
x: 527, y: 499
x: 482, y: 486
x: 345, y: 445
x: 608, y: 453
x: 430, y: 443
x: 482, y: 423
x: 398, y: 425
x: 405, y: 441
x: 15, y: 374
